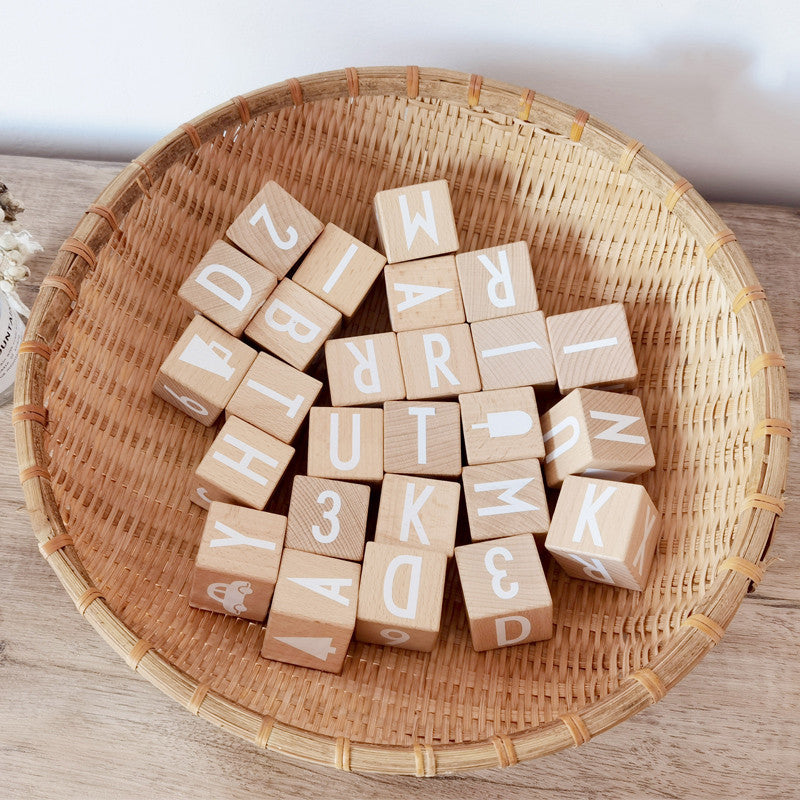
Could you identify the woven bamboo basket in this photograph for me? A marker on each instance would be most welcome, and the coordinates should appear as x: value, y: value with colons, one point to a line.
x: 105, y: 466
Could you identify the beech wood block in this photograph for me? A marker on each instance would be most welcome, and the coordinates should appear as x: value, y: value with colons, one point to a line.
x: 416, y: 221
x: 401, y: 596
x: 339, y: 269
x: 203, y: 370
x: 592, y: 347
x: 313, y: 611
x: 604, y: 531
x: 505, y: 592
x: 236, y: 566
x: 596, y: 434
x: 422, y: 438
x: 346, y: 443
x: 293, y: 324
x: 363, y: 370
x: 227, y: 287
x: 501, y: 425
x: 274, y: 229
x: 419, y: 512
x: 328, y: 517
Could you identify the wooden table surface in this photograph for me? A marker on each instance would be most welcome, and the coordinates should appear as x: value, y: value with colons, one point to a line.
x: 76, y: 722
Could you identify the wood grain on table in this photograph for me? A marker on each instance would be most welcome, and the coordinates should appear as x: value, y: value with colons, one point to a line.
x: 76, y: 722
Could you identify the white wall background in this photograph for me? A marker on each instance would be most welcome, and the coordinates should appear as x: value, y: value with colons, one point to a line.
x: 713, y: 87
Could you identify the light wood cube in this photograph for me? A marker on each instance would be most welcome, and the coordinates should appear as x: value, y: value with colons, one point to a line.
x: 242, y: 466
x: 505, y: 498
x: 419, y: 512
x: 422, y: 438
x: 227, y: 287
x: 346, y: 443
x: 592, y: 347
x: 339, y: 269
x: 416, y: 221
x: 596, y: 434
x: 402, y: 591
x: 313, y: 611
x: 505, y: 592
x: 293, y: 324
x: 423, y: 294
x: 501, y: 425
x: 604, y: 531
x: 328, y: 517
x: 203, y: 370
x: 438, y: 362
x: 236, y: 566
x: 363, y: 370
x: 274, y: 229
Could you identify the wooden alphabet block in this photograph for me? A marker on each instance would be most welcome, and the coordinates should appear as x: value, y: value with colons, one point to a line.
x: 313, y: 611
x: 423, y: 294
x: 505, y: 592
x: 416, y: 221
x: 592, y: 347
x: 422, y: 438
x: 346, y: 443
x: 236, y: 566
x: 339, y: 269
x: 505, y: 498
x: 596, y: 434
x: 328, y: 517
x: 514, y: 351
x: 418, y: 512
x: 274, y: 229
x: 501, y: 425
x: 497, y: 281
x: 274, y: 397
x: 363, y: 370
x: 227, y: 287
x: 604, y: 531
x: 293, y: 324
x: 438, y: 362
x: 402, y: 591
x: 202, y: 371
x: 242, y: 466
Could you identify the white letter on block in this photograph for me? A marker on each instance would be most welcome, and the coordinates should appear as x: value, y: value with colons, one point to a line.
x: 234, y: 538
x: 292, y: 404
x: 590, y: 507
x: 294, y: 324
x: 649, y: 522
x: 369, y: 383
x: 500, y: 278
x: 438, y: 363
x: 237, y: 302
x: 621, y: 421
x: 340, y: 268
x: 416, y: 294
x: 327, y: 587
x: 355, y: 446
x: 569, y: 422
x: 421, y: 412
x: 501, y: 626
x: 243, y: 466
x: 427, y: 223
x: 409, y: 611
x: 594, y: 568
x: 499, y: 574
x: 511, y: 503
x: 411, y: 509
x: 291, y: 234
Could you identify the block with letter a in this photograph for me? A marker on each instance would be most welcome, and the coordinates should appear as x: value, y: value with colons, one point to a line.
x: 236, y: 565
x: 505, y: 498
x: 416, y: 221
x: 418, y: 512
x: 402, y: 591
x: 505, y: 592
x: 293, y: 324
x: 363, y: 370
x: 596, y: 434
x: 274, y: 229
x: 604, y: 531
x: 592, y: 347
x: 313, y: 611
x: 203, y: 370
x: 346, y: 443
x: 328, y: 517
x: 242, y: 466
x: 227, y: 287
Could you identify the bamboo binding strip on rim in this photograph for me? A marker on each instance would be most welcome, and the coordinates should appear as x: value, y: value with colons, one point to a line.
x: 604, y: 222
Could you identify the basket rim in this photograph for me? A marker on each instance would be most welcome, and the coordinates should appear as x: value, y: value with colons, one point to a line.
x: 758, y: 511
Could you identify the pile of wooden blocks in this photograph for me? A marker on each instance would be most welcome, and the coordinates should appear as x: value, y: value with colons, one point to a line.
x: 468, y: 347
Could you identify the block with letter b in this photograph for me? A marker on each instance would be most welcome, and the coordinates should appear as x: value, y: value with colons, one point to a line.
x: 346, y: 443
x: 505, y: 592
x: 604, y: 531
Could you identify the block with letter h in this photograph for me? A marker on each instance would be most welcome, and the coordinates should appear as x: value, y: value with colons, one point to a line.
x: 346, y: 443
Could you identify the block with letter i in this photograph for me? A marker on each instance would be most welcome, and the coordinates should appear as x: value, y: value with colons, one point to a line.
x: 346, y: 443
x: 505, y: 592
x: 604, y: 531
x: 203, y: 370
x: 313, y: 611
x: 236, y: 566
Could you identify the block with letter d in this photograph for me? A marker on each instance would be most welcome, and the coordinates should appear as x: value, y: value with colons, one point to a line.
x: 346, y: 443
